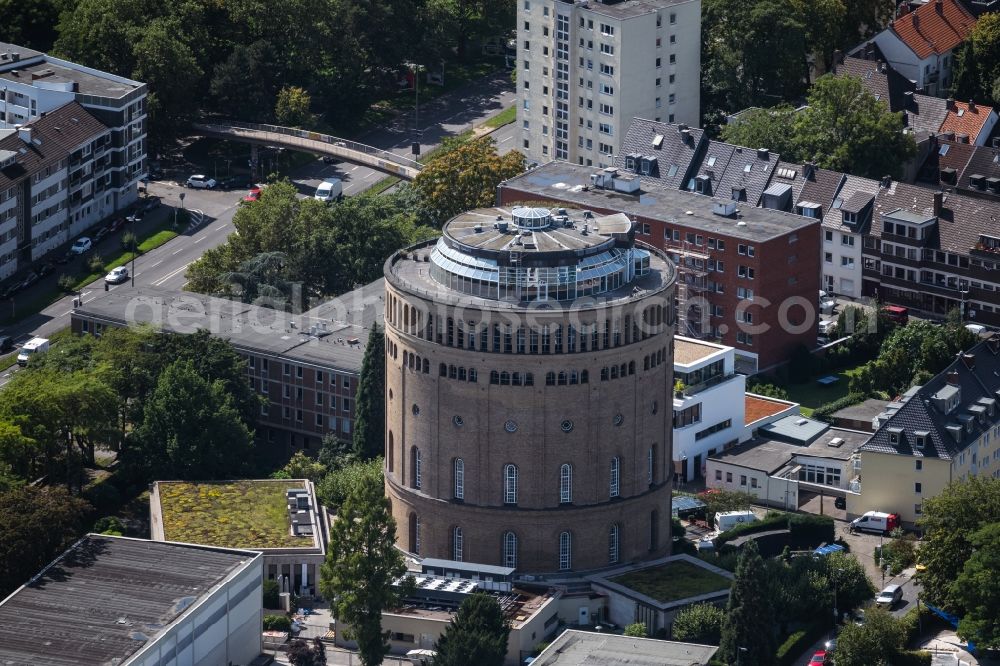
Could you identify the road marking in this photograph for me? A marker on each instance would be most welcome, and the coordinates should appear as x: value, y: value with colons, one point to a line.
x: 166, y: 277
x: 157, y: 263
x: 507, y: 139
x: 200, y: 240
x: 176, y: 251
x: 355, y: 168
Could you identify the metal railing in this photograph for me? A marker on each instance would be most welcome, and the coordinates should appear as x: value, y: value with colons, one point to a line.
x: 380, y: 159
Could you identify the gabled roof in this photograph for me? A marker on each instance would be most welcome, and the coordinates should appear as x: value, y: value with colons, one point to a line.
x: 677, y: 147
x: 925, y: 113
x: 855, y: 195
x: 969, y: 119
x: 713, y: 164
x: 749, y: 170
x: 821, y: 188
x: 790, y: 173
x: 934, y: 28
x: 901, y: 196
x: 54, y: 136
x: 921, y: 414
x: 883, y: 82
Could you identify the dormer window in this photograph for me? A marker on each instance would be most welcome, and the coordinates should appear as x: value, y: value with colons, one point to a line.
x: 895, y: 435
x: 920, y: 439
x: 850, y: 218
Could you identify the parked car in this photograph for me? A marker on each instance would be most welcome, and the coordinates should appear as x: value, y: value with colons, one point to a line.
x: 82, y: 245
x: 253, y: 194
x: 840, y: 503
x: 6, y: 344
x: 134, y: 216
x: 116, y: 224
x: 10, y: 290
x: 200, y: 182
x: 45, y: 269
x: 149, y: 203
x: 117, y: 275
x: 875, y: 521
x: 890, y: 596
x: 101, y: 233
x: 231, y: 182
x: 818, y: 658
x: 29, y: 279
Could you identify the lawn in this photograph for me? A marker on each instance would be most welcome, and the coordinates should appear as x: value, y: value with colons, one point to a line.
x: 240, y: 514
x: 812, y: 395
x: 673, y: 581
x: 152, y: 239
x: 505, y: 117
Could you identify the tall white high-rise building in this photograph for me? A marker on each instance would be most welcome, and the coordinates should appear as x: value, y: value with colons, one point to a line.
x: 586, y: 68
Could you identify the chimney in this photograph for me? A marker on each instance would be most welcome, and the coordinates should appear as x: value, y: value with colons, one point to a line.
x: 881, y: 66
x: 939, y: 7
x: 808, y: 170
x: 681, y: 127
x: 763, y: 154
x: 886, y: 182
x: 938, y: 200
x: 969, y: 360
x: 838, y: 57
x: 953, y: 378
x: 24, y: 134
x: 950, y: 103
x: 972, y: 106
x: 916, y: 20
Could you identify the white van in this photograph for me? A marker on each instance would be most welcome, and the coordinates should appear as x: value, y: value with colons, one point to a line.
x: 727, y: 520
x: 331, y: 189
x: 30, y: 347
x: 876, y: 521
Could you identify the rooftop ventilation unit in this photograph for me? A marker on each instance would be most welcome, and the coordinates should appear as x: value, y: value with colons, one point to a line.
x: 836, y: 442
x: 724, y: 208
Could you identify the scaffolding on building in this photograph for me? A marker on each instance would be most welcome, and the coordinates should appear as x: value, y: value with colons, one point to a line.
x: 692, y: 284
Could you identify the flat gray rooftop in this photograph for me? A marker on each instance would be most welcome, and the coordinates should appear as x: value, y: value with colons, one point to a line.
x: 584, y: 648
x: 562, y: 181
x: 324, y: 336
x: 105, y: 598
x: 770, y: 455
x: 631, y: 8
x: 87, y: 83
x: 863, y: 411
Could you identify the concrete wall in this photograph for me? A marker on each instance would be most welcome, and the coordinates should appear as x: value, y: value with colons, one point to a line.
x: 775, y: 491
x: 846, y: 281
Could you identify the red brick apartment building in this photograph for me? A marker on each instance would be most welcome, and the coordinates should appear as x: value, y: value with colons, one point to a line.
x: 749, y: 276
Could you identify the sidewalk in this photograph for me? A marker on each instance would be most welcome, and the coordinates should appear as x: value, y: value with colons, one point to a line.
x: 946, y: 650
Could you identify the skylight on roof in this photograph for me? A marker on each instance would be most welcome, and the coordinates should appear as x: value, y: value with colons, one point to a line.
x: 944, y: 150
x: 785, y: 172
x: 711, y: 161
x: 747, y: 168
x: 961, y: 112
x: 657, y: 141
x: 672, y: 171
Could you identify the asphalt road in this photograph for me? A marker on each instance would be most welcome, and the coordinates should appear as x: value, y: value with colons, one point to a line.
x: 165, y: 266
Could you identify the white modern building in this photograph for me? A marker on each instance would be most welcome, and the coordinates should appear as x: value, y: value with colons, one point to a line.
x: 709, y: 407
x: 845, y: 226
x: 586, y: 68
x: 114, y: 600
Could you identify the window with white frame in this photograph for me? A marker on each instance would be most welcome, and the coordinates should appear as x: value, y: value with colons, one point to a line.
x: 650, y: 464
x: 415, y: 464
x: 510, y: 550
x: 565, y: 551
x: 613, y: 548
x: 615, y: 478
x: 565, y: 483
x: 456, y: 544
x: 459, y: 473
x: 510, y: 484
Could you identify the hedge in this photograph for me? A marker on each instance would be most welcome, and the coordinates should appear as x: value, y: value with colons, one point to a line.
x: 277, y: 623
x: 799, y: 642
x: 911, y: 621
x: 825, y: 413
x: 810, y: 530
x: 912, y: 658
x: 773, y: 521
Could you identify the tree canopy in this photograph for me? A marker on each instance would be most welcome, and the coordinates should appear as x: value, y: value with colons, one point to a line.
x: 361, y: 566
x: 476, y: 635
x: 977, y: 62
x: 369, y: 407
x: 700, y: 623
x: 978, y: 588
x: 843, y: 128
x: 877, y: 642
x: 747, y: 632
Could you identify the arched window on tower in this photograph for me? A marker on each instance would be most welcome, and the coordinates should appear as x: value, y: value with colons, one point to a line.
x: 415, y: 471
x: 614, y: 484
x: 456, y: 544
x: 459, y: 473
x: 510, y: 484
x: 565, y: 483
x: 565, y: 551
x: 613, y: 550
x: 510, y: 550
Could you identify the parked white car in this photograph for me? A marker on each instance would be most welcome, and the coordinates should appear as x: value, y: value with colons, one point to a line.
x: 82, y: 244
x: 201, y: 182
x: 117, y: 275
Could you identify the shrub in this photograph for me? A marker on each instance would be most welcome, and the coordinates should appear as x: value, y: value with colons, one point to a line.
x: 772, y: 521
x: 540, y: 648
x: 636, y: 630
x: 825, y: 413
x: 109, y: 525
x: 66, y: 282
x: 912, y: 621
x: 700, y: 623
x: 913, y: 658
x: 277, y: 623
x: 104, y: 495
x: 811, y: 530
x: 95, y: 264
x: 676, y: 528
x: 129, y: 240
x: 271, y: 590
x: 799, y: 642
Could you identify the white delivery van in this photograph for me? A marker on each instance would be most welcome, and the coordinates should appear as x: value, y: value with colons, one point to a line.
x: 876, y: 521
x: 32, y: 346
x: 331, y: 189
x: 727, y: 520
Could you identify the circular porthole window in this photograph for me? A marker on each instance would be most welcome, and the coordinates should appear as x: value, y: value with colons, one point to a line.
x: 416, y: 410
x: 619, y: 419
x: 566, y: 425
x: 458, y: 421
x: 510, y: 426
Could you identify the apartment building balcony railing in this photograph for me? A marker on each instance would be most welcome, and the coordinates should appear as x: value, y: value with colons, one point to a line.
x: 708, y: 383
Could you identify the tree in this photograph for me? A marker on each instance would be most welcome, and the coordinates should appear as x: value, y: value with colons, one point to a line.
x: 848, y: 581
x: 369, y: 407
x: 763, y: 128
x: 877, y: 642
x: 191, y: 428
x: 301, y: 653
x: 978, y: 589
x: 109, y: 525
x: 30, y: 24
x: 700, y: 623
x: 36, y: 524
x: 362, y: 566
x: 747, y: 633
x: 301, y: 466
x: 465, y: 177
x: 476, y: 635
x: 846, y: 129
x: 636, y: 630
x: 335, y: 453
x: 977, y: 65
x: 247, y: 62
x: 725, y: 500
x: 271, y: 592
x: 292, y: 107
x: 949, y: 521
x: 336, y: 486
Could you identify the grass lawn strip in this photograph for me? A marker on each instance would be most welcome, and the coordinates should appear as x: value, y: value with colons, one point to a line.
x: 812, y: 395
x: 673, y: 581
x: 505, y: 117
x: 238, y: 514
